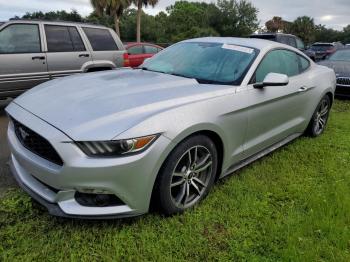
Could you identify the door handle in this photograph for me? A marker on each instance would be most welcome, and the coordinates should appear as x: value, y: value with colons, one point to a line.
x: 303, y: 89
x: 38, y: 58
x: 84, y: 55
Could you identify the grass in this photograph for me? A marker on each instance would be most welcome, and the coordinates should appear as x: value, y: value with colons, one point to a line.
x: 293, y: 205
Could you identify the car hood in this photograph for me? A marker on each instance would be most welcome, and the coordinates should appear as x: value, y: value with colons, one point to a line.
x: 100, y: 106
x: 341, y: 68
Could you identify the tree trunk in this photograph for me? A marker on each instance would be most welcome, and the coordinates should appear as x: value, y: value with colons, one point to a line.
x: 138, y: 22
x: 116, y: 24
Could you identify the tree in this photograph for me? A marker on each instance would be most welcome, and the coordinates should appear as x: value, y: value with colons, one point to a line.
x: 323, y: 34
x: 345, y: 35
x: 113, y: 8
x: 73, y: 16
x: 277, y: 24
x: 139, y: 4
x: 190, y: 19
x: 238, y: 18
x: 304, y: 27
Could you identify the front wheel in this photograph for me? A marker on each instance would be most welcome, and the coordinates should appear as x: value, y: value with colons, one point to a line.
x: 187, y: 175
x: 320, y: 118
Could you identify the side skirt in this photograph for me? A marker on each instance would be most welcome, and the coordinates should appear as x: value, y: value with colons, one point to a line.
x: 262, y: 153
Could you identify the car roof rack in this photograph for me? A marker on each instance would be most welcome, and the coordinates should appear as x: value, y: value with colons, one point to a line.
x: 56, y: 20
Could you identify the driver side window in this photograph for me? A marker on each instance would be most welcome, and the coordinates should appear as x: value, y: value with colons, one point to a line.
x: 278, y: 61
x: 20, y: 39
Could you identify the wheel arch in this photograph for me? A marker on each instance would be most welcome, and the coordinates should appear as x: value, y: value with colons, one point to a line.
x: 212, y: 135
x: 331, y: 97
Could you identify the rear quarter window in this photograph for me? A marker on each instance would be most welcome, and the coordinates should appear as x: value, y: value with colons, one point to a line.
x: 100, y: 39
x: 135, y: 50
x: 304, y: 64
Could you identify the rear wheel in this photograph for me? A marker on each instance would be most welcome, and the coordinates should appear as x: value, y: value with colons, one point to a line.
x: 320, y: 118
x: 187, y: 175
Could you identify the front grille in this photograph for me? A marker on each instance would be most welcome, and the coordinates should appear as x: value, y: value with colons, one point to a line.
x: 344, y: 81
x: 36, y: 143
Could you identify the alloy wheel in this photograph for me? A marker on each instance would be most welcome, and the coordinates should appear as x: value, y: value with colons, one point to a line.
x: 191, y: 176
x: 321, y: 117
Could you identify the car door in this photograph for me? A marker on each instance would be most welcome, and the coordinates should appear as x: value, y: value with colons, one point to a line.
x: 22, y: 60
x: 277, y: 112
x: 106, y: 48
x: 66, y: 52
x: 136, y: 55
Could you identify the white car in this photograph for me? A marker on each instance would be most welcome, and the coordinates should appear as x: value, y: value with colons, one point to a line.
x: 110, y: 144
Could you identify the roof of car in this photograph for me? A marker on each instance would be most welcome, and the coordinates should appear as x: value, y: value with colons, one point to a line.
x: 323, y: 43
x: 53, y: 22
x: 271, y: 33
x: 248, y: 42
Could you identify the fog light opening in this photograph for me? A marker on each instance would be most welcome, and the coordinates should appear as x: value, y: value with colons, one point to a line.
x: 97, y: 200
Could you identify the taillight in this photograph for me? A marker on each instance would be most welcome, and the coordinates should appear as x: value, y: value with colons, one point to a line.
x: 126, y: 60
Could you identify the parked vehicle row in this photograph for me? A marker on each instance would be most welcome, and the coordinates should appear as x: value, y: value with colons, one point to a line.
x: 323, y: 50
x: 339, y: 61
x: 32, y: 52
x: 113, y: 143
x: 138, y: 52
x: 287, y: 39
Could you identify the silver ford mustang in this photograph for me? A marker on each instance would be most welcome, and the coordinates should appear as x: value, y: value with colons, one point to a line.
x: 112, y: 144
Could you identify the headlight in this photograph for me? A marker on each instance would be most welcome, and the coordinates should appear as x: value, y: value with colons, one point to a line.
x: 116, y: 148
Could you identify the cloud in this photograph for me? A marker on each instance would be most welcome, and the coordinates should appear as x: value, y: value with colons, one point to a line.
x: 333, y: 14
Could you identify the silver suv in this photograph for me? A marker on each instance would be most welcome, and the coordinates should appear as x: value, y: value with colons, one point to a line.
x: 32, y: 52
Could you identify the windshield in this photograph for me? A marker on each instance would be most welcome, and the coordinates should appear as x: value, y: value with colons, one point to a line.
x: 340, y: 55
x: 212, y: 63
x: 321, y: 47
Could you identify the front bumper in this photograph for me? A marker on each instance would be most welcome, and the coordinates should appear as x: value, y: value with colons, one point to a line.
x: 129, y: 178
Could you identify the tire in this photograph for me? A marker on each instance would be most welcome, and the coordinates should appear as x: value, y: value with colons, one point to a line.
x: 319, y: 119
x: 186, y: 175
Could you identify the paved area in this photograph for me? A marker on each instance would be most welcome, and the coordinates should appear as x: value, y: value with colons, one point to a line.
x: 6, y: 180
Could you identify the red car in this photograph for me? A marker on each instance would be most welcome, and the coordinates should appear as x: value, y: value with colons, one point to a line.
x: 138, y: 52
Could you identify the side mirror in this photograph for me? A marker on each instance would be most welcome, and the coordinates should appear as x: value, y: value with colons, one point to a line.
x: 273, y: 79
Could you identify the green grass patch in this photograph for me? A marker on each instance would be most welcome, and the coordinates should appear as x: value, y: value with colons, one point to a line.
x: 293, y: 205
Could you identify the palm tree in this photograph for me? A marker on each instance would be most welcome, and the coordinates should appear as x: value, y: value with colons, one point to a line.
x: 113, y: 8
x: 140, y: 4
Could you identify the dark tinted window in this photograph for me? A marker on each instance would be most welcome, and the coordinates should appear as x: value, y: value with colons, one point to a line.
x: 300, y: 44
x: 278, y: 61
x: 135, y: 50
x: 100, y: 39
x: 63, y: 39
x: 76, y: 39
x: 58, y: 39
x: 151, y: 49
x: 20, y: 38
x: 283, y: 39
x: 266, y: 37
x: 291, y: 41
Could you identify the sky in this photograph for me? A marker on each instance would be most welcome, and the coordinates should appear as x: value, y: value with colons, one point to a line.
x: 332, y: 13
